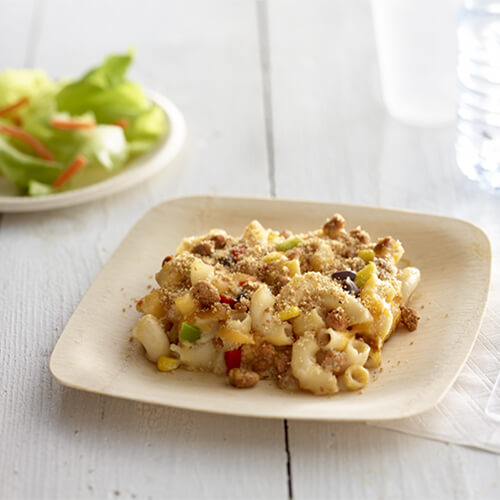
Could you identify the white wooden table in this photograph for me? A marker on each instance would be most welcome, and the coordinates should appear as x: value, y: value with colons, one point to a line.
x: 281, y: 99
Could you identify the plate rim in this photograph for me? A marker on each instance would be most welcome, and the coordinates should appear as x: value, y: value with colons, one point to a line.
x: 401, y: 413
x: 146, y: 166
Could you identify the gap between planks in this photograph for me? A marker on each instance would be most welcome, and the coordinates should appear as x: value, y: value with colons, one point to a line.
x: 36, y: 24
x: 265, y: 61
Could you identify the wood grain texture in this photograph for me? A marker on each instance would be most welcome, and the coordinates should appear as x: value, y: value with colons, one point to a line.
x: 68, y: 444
x: 357, y: 461
x: 325, y: 101
x: 331, y: 140
x: 334, y: 141
x: 19, y: 23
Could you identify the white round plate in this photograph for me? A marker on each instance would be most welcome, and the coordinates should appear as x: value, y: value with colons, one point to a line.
x: 137, y: 170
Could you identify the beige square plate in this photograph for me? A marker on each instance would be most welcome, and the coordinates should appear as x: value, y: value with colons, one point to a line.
x: 94, y: 352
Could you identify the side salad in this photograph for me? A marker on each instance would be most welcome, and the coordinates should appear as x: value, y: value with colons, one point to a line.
x: 58, y: 136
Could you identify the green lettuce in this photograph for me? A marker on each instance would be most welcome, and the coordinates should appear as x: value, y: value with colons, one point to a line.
x: 106, y: 146
x: 16, y: 84
x: 103, y: 145
x: 63, y: 144
x: 21, y: 168
x: 107, y: 93
x: 104, y: 91
x: 103, y: 95
x: 36, y: 188
x: 144, y: 130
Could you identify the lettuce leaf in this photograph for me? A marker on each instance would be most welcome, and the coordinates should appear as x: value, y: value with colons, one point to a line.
x: 143, y: 131
x: 105, y: 145
x: 104, y: 91
x: 103, y: 95
x: 36, y: 188
x: 15, y: 84
x: 21, y: 168
x: 107, y: 93
x: 63, y: 144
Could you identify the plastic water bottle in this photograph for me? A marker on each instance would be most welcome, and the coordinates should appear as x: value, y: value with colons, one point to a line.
x: 478, y: 110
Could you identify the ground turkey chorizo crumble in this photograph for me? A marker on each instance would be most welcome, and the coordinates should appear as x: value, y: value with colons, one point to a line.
x: 309, y: 311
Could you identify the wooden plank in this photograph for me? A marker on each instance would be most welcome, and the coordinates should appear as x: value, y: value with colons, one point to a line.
x: 334, y: 141
x: 203, y: 57
x: 69, y: 444
x: 325, y: 102
x: 341, y: 460
x: 19, y: 21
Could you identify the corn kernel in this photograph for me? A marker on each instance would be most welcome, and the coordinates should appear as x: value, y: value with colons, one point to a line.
x: 289, y: 313
x: 186, y: 304
x: 293, y: 266
x: 365, y: 274
x: 272, y: 256
x: 167, y: 364
x: 367, y: 254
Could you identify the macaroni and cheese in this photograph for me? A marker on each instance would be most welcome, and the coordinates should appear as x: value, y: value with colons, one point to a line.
x: 309, y: 311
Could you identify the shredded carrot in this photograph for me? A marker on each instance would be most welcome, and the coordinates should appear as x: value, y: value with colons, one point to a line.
x: 122, y: 122
x: 28, y: 139
x: 74, y: 167
x: 17, y: 120
x: 15, y: 105
x: 72, y: 124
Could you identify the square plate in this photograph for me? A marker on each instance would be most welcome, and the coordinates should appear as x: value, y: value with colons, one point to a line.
x: 94, y: 352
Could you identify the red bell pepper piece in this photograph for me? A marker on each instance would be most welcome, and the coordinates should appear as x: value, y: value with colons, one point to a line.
x: 238, y: 251
x: 227, y: 300
x: 233, y: 359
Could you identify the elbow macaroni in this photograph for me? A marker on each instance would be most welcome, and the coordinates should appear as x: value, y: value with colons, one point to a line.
x: 309, y: 322
x: 356, y: 352
x: 356, y: 377
x: 410, y: 278
x: 311, y: 376
x: 264, y: 321
x: 149, y: 331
